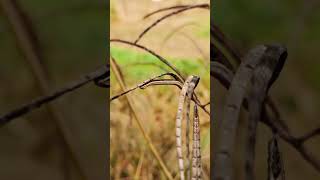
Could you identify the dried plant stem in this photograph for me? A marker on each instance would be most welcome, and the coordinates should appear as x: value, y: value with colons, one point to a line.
x: 201, y: 6
x: 139, y: 123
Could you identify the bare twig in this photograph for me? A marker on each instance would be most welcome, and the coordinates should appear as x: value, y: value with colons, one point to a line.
x: 201, y: 6
x: 37, y: 103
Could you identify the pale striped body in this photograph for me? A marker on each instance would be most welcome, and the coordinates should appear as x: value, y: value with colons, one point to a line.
x: 187, y: 89
x: 196, y: 155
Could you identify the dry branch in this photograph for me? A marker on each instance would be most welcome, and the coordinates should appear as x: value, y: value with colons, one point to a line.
x: 201, y: 6
x: 37, y: 103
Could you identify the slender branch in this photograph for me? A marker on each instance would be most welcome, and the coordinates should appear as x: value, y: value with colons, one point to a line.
x: 37, y: 103
x: 201, y: 6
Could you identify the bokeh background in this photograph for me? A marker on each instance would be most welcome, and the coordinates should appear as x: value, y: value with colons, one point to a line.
x: 71, y: 40
x: 295, y: 24
x: 184, y: 41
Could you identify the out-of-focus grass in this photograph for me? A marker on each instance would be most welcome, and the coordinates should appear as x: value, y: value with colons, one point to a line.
x: 139, y: 65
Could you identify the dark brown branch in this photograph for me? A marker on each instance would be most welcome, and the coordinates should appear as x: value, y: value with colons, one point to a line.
x: 37, y: 103
x: 201, y: 6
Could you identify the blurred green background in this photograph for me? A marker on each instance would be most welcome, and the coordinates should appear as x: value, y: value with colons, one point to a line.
x: 294, y: 23
x: 72, y: 41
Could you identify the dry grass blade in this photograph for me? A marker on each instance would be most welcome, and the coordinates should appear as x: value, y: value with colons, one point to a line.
x: 152, y: 53
x: 139, y: 123
x: 164, y: 9
x: 201, y: 6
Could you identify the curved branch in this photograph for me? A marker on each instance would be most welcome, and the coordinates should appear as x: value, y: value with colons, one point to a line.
x: 201, y: 6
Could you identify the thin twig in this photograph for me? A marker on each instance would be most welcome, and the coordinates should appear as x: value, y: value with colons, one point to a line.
x: 37, y: 103
x: 201, y: 6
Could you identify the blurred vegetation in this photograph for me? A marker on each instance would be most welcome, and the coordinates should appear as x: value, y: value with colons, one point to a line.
x: 295, y: 24
x: 73, y: 41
